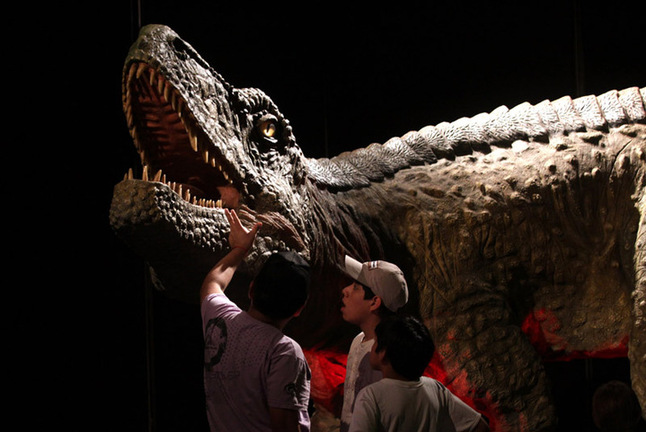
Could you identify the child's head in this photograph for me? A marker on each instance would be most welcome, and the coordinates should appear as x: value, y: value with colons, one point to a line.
x: 374, y: 279
x: 383, y: 278
x: 407, y: 344
x: 281, y: 287
x: 615, y: 407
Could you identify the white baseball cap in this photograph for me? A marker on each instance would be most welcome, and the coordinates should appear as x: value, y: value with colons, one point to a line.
x: 384, y: 279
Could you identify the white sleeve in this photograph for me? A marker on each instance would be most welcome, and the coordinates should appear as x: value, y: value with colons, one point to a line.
x: 464, y: 417
x: 365, y: 417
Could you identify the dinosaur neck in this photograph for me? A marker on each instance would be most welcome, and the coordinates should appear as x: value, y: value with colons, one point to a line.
x: 361, y: 223
x: 336, y: 230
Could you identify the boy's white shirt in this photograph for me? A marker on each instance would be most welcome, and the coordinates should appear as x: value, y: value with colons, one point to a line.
x: 358, y: 350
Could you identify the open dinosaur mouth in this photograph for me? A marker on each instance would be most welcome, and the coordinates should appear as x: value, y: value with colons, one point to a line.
x: 172, y: 149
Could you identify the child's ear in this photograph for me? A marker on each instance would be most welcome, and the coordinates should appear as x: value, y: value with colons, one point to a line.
x: 383, y: 358
x: 375, y: 303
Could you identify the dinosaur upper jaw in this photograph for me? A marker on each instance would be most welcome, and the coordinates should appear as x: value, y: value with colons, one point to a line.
x: 172, y: 147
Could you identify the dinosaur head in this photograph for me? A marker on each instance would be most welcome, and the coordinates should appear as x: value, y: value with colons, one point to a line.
x: 204, y: 146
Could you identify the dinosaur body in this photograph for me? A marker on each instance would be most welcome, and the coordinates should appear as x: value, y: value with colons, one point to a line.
x: 520, y: 231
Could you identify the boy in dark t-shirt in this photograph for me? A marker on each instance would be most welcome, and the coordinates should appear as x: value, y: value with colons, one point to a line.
x: 255, y: 377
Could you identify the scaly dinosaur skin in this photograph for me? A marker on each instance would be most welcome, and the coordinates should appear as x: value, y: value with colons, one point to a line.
x: 521, y: 232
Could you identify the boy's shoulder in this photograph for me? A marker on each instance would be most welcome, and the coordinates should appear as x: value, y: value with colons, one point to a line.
x: 358, y: 338
x: 387, y: 384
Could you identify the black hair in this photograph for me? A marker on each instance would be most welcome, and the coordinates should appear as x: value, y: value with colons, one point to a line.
x: 368, y: 294
x: 282, y: 285
x: 408, y: 344
x: 615, y: 407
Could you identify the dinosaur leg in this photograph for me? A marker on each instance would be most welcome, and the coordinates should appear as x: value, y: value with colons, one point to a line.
x: 490, y: 363
x: 637, y: 344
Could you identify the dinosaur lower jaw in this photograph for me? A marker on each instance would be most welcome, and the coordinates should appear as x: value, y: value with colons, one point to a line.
x: 146, y: 214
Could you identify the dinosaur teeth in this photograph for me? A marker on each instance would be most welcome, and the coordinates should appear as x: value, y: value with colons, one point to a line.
x: 178, y: 188
x: 205, y: 156
x: 151, y: 78
x: 158, y: 177
x: 141, y: 67
x: 160, y: 87
x: 193, y: 140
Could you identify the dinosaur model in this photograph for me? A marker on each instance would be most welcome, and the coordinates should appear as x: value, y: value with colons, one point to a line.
x: 521, y: 231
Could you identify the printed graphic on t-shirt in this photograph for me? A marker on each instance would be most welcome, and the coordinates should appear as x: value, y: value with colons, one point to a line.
x: 215, y: 342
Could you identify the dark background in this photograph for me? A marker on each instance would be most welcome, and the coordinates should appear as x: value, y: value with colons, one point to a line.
x: 103, y: 351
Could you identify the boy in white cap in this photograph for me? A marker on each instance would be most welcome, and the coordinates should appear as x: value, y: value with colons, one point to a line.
x: 378, y: 290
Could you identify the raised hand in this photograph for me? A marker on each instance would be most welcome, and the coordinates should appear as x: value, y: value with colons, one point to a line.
x: 239, y: 236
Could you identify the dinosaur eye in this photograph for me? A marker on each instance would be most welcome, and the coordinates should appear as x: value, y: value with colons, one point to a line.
x: 268, y: 128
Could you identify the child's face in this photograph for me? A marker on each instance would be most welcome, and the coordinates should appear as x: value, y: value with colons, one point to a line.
x: 355, y: 308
